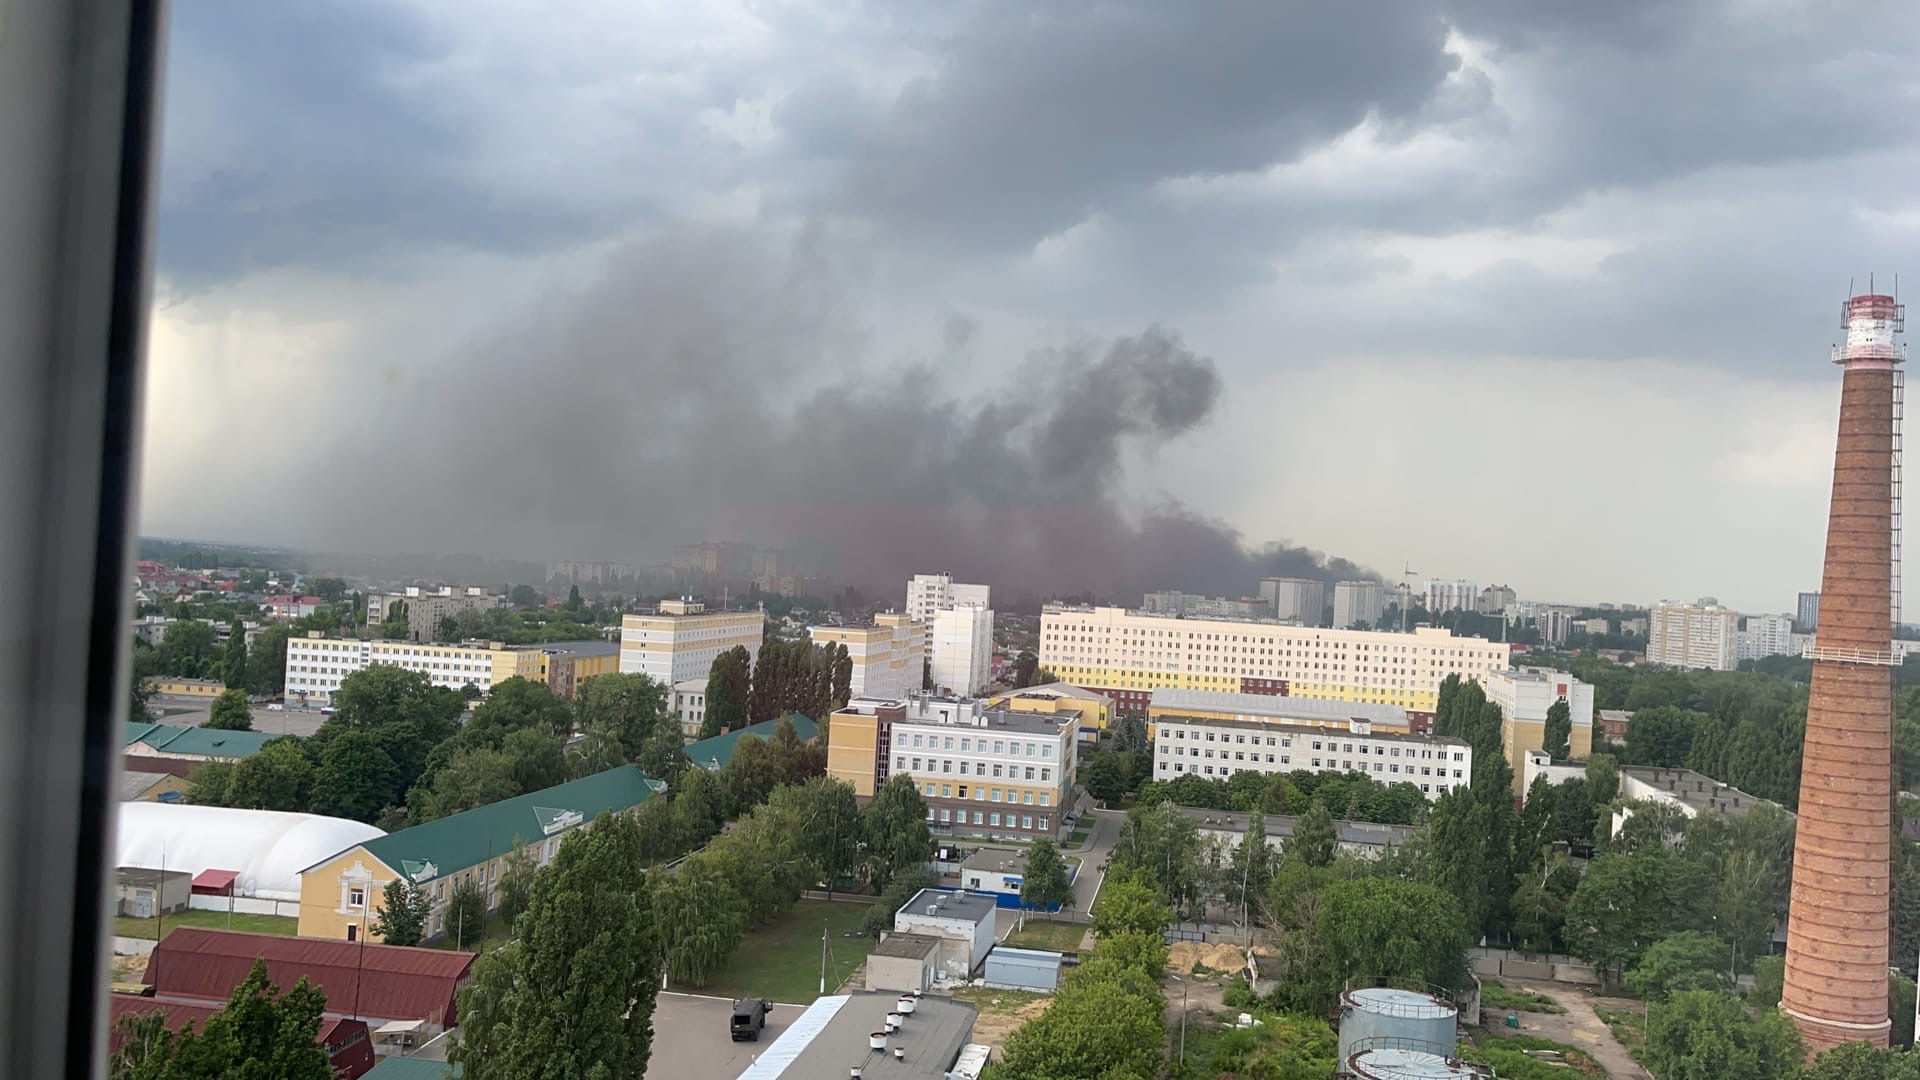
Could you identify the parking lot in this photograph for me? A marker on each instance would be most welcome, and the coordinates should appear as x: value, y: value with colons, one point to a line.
x: 192, y: 712
x: 690, y: 1037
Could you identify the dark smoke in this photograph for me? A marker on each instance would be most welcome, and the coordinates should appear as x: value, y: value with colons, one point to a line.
x: 707, y: 388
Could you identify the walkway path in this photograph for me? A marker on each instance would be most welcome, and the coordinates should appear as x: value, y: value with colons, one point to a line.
x: 1579, y: 1027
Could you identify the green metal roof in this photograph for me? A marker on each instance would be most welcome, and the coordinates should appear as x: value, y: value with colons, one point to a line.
x: 714, y: 753
x: 211, y: 742
x: 471, y: 837
x: 411, y: 1068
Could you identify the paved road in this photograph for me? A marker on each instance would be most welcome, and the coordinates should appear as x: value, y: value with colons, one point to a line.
x: 690, y: 1037
x: 192, y: 712
x: 1093, y: 855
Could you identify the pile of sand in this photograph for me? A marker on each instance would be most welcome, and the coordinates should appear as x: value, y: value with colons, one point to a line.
x: 1183, y: 955
x: 992, y: 1026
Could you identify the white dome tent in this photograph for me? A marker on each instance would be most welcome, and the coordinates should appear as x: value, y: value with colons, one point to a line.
x: 268, y: 848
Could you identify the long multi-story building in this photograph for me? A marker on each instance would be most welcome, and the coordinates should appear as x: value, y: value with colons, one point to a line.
x: 928, y: 593
x: 1358, y: 603
x: 1494, y: 599
x: 426, y: 607
x: 888, y: 657
x: 1300, y: 600
x: 680, y: 641
x: 316, y: 664
x: 1001, y: 773
x: 1458, y: 595
x: 1807, y: 612
x: 1175, y: 602
x: 1700, y: 635
x: 1127, y: 655
x: 962, y: 658
x: 1218, y: 748
x: 1524, y: 696
x: 1267, y: 708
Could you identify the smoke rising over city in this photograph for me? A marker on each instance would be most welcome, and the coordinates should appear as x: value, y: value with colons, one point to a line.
x: 710, y: 385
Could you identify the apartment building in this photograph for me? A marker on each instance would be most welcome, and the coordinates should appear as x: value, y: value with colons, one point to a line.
x: 1524, y: 695
x: 1360, y: 602
x: 680, y: 640
x: 1127, y: 655
x: 1217, y: 748
x: 1000, y: 773
x: 1698, y: 635
x: 427, y: 606
x: 689, y: 706
x: 1457, y: 595
x: 888, y: 657
x: 1765, y: 635
x: 962, y: 658
x: 928, y: 593
x: 1175, y: 602
x: 1299, y: 600
x: 316, y: 664
x: 1806, y: 611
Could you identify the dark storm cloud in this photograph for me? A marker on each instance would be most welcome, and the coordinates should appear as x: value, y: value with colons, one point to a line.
x: 709, y: 386
x: 1038, y: 116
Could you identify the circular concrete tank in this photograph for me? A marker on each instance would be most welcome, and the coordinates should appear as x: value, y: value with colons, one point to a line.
x: 1391, y: 1064
x: 1393, y: 1017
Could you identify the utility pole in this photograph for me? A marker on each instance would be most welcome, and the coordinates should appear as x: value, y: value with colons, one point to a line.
x: 823, y: 955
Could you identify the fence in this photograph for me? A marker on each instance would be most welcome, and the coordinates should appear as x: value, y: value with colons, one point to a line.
x: 245, y: 905
x: 1509, y: 964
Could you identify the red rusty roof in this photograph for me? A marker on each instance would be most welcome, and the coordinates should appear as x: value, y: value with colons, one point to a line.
x: 170, y: 766
x: 349, y: 1044
x: 390, y: 982
x: 216, y: 880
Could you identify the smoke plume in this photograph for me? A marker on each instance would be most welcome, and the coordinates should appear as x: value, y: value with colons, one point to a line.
x: 707, y: 387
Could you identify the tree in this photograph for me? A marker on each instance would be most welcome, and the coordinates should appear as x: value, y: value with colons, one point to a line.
x: 188, y: 650
x: 1700, y: 1035
x: 729, y: 682
x: 572, y: 994
x: 1689, y: 960
x: 523, y: 596
x: 267, y: 661
x: 1129, y: 903
x: 230, y: 712
x: 1251, y: 872
x: 1559, y: 730
x: 260, y: 1033
x: 1603, y: 779
x: 1164, y: 843
x: 702, y: 919
x: 1104, y: 773
x: 895, y: 826
x: 514, y: 705
x: 1626, y: 903
x: 1024, y: 666
x: 516, y: 881
x: 279, y: 777
x: 329, y: 589
x: 824, y: 818
x: 1661, y: 736
x: 842, y: 678
x: 573, y: 598
x: 1381, y: 926
x: 1045, y: 885
x: 465, y: 920
x: 633, y: 709
x: 1861, y: 1061
x: 447, y: 629
x: 902, y: 888
x: 1098, y: 1029
x: 1315, y: 840
x: 233, y: 666
x: 474, y: 778
x: 355, y: 779
x: 402, y: 919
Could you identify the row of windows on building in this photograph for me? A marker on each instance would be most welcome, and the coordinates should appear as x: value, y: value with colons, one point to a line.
x: 1287, y: 759
x: 1000, y: 746
x: 1346, y: 766
x: 1427, y: 752
x: 981, y: 793
x: 959, y: 817
x: 979, y: 769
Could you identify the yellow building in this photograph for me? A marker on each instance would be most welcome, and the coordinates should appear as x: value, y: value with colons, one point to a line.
x: 151, y: 787
x: 984, y: 771
x: 1127, y: 655
x: 190, y: 688
x: 566, y: 665
x: 317, y: 664
x: 1096, y: 710
x: 681, y: 640
x: 1524, y: 696
x: 889, y: 657
x: 347, y: 889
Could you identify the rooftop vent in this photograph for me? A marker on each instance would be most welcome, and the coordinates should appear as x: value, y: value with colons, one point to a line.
x: 899, y: 1053
x: 877, y: 1040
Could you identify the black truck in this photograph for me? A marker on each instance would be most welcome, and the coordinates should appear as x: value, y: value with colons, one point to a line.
x: 749, y: 1019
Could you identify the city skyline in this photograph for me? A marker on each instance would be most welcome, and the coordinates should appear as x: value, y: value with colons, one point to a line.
x: 1388, y: 235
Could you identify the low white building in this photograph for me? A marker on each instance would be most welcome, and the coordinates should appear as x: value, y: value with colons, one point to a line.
x: 1363, y: 839
x: 267, y: 849
x: 1218, y: 748
x: 690, y: 706
x: 1691, y: 792
x: 317, y: 664
x: 962, y: 921
x: 962, y: 656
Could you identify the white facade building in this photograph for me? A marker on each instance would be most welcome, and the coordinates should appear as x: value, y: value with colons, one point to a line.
x: 1219, y: 748
x: 1358, y: 602
x: 888, y: 657
x: 317, y: 664
x: 1765, y: 635
x: 690, y: 706
x: 1457, y: 595
x: 1300, y: 600
x: 680, y: 642
x: 962, y: 657
x: 1702, y: 635
x: 928, y: 593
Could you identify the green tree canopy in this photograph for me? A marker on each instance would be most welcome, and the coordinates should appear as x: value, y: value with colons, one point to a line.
x: 267, y: 661
x: 402, y: 919
x: 514, y: 705
x: 1689, y: 960
x: 1315, y: 840
x: 230, y: 712
x: 1700, y: 1035
x: 572, y: 994
x: 355, y: 779
x: 1380, y: 926
x: 895, y: 827
x: 233, y: 665
x: 188, y: 650
x: 633, y: 709
x: 1559, y: 731
x: 702, y: 918
x: 261, y: 1033
x: 729, y: 683
x: 1044, y: 884
x: 1164, y: 843
x: 1250, y: 873
x: 279, y: 777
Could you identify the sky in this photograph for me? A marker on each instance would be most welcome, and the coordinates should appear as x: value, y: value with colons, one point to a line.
x: 1085, y: 295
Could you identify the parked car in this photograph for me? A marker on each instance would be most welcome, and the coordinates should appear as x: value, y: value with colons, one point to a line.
x: 749, y: 1019
x: 274, y: 706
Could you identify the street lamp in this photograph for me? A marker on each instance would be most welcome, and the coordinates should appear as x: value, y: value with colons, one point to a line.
x: 1183, y: 1016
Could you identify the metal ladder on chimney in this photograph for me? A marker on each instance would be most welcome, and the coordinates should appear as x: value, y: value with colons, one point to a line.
x: 1899, y: 400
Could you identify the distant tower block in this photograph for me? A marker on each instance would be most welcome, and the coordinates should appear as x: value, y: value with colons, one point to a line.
x: 1836, y: 980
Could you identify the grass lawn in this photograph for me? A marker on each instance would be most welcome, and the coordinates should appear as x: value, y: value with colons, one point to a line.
x: 1495, y: 995
x: 1507, y: 1054
x: 993, y: 1002
x: 1078, y: 837
x: 1042, y: 934
x: 781, y: 960
x: 1629, y: 1026
x: 493, y: 934
x: 128, y: 926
